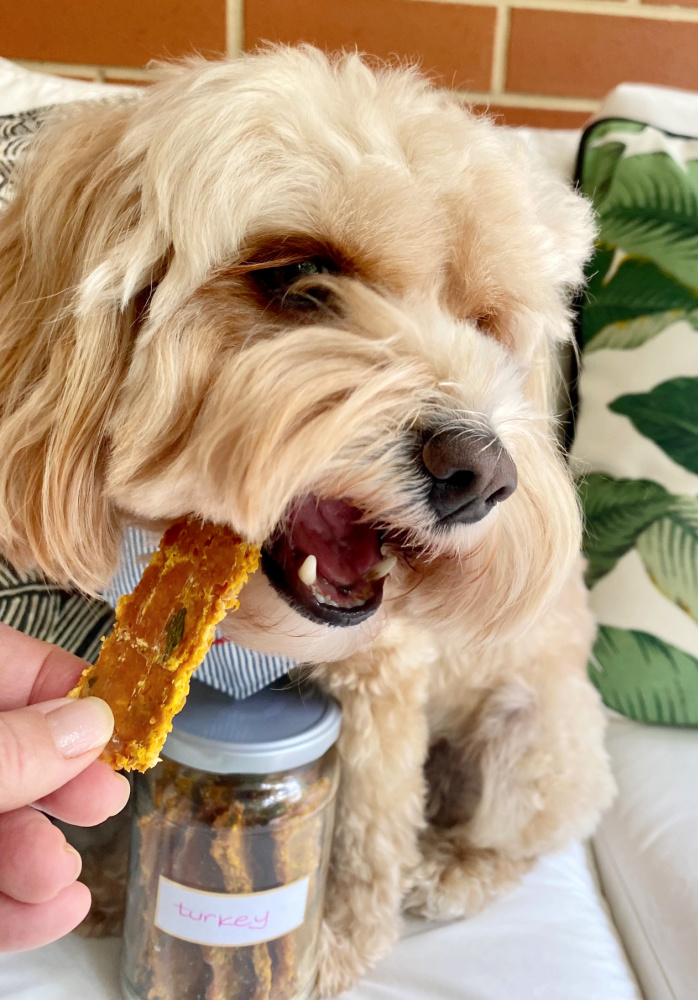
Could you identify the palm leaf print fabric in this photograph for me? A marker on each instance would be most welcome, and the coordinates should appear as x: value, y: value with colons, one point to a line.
x: 636, y: 446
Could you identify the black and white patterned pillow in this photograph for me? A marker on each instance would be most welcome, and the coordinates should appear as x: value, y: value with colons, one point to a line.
x: 16, y: 132
x: 44, y: 610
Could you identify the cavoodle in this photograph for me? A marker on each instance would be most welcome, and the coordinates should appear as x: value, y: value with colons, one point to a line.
x: 319, y: 299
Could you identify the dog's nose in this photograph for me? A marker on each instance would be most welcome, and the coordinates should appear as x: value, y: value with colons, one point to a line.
x: 469, y: 474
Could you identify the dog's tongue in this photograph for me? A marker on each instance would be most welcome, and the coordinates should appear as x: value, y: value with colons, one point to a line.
x: 330, y: 530
x: 326, y: 562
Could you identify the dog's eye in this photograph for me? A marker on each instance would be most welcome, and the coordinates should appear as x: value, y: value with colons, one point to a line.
x: 277, y: 283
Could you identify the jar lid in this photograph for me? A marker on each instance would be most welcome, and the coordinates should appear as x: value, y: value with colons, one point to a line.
x: 278, y: 728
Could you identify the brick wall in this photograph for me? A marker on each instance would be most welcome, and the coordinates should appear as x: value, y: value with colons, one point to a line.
x: 540, y: 62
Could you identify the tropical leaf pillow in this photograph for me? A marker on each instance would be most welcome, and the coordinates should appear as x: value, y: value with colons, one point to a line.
x: 636, y: 444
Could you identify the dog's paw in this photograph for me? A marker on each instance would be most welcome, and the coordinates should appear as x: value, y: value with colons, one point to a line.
x: 339, y: 966
x: 452, y: 881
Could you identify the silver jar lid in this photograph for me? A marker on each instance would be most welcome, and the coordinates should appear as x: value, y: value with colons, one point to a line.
x: 281, y: 727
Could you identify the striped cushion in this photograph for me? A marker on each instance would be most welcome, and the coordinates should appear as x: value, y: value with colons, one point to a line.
x: 45, y: 611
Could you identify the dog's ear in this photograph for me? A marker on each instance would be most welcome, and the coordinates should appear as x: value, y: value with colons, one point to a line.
x: 61, y: 364
x: 522, y: 238
x: 564, y: 227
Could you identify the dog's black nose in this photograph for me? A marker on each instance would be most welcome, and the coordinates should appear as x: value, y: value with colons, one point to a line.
x: 469, y: 473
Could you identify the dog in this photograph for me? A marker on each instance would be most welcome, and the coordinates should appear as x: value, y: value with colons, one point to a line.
x: 319, y: 299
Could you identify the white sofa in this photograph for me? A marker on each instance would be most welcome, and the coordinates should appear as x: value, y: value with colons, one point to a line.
x: 617, y: 920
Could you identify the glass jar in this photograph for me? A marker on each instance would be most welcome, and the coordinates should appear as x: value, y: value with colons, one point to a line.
x: 230, y: 846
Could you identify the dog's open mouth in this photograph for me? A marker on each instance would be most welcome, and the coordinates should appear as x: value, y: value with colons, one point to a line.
x: 327, y: 563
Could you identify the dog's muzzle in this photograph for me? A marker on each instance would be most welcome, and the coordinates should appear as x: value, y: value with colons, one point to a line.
x: 328, y: 561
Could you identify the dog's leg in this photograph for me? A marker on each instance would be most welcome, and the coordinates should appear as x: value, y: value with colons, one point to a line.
x: 380, y: 807
x: 520, y: 775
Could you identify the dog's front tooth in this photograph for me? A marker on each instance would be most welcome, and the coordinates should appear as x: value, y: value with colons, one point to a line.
x: 307, y: 572
x: 382, y: 568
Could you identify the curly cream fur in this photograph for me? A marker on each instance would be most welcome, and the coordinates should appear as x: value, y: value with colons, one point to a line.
x: 141, y: 379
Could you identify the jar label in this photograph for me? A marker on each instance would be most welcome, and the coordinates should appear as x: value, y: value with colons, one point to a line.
x: 217, y: 918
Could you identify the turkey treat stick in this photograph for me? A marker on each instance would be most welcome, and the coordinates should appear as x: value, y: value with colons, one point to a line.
x: 163, y: 631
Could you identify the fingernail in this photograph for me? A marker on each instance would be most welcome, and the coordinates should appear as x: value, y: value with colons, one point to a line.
x: 78, y: 861
x: 79, y: 725
x: 126, y: 792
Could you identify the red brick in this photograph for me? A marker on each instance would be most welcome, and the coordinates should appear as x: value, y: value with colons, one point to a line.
x: 585, y: 55
x: 535, y: 117
x: 111, y: 32
x: 455, y: 41
x: 672, y: 3
x: 126, y: 81
x: 68, y: 74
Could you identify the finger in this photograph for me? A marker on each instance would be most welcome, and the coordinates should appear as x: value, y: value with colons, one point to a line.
x: 59, y: 673
x: 32, y: 670
x: 36, y: 862
x: 90, y: 798
x: 31, y: 925
x: 45, y: 746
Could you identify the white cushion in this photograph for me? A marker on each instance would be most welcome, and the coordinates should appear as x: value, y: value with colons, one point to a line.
x: 556, y: 147
x: 647, y: 853
x: 21, y: 89
x: 549, y: 940
x: 673, y: 110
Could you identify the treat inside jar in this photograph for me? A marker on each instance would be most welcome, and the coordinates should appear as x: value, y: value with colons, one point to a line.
x: 228, y: 867
x: 162, y: 633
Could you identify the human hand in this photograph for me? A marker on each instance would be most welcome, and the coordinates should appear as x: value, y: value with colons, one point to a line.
x: 49, y: 746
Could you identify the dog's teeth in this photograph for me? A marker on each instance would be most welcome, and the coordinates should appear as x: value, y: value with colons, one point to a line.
x: 323, y: 599
x: 382, y: 568
x: 307, y: 573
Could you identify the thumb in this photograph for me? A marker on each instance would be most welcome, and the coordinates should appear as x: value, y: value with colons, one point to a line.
x: 46, y: 745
